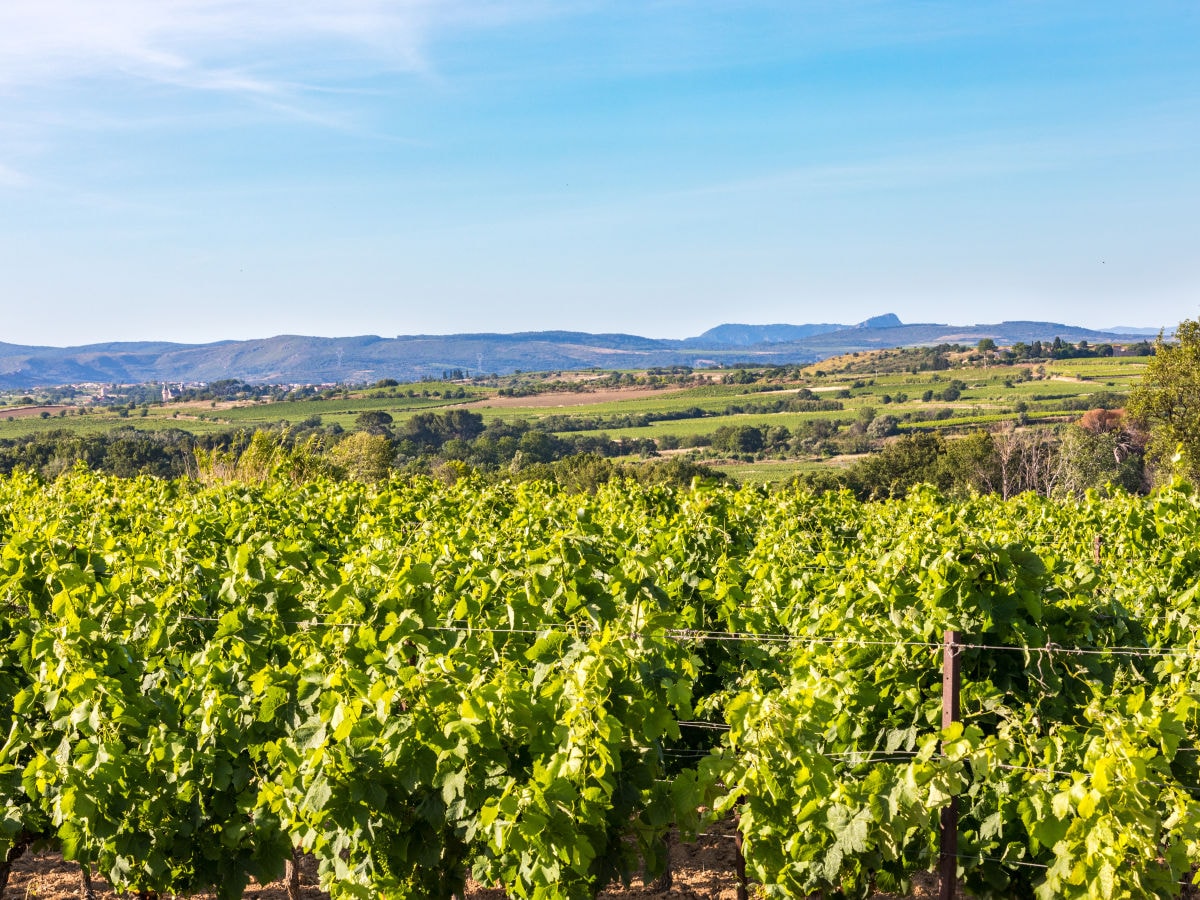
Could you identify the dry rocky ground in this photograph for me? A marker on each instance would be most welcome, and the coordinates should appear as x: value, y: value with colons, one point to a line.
x: 25, y: 412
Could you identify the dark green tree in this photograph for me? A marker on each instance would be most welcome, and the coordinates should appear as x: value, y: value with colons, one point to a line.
x: 902, y: 463
x: 373, y: 420
x: 738, y: 439
x: 462, y: 424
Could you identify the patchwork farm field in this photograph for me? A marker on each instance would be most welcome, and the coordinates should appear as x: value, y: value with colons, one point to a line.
x: 668, y: 413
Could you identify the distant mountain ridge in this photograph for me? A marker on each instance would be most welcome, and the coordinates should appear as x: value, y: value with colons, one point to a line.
x: 298, y: 359
x: 1146, y: 332
x: 749, y: 335
x: 887, y: 320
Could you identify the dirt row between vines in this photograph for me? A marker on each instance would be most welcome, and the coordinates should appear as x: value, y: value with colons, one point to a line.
x: 702, y: 871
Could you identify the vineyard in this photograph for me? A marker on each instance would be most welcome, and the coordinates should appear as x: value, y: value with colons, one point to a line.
x: 417, y: 683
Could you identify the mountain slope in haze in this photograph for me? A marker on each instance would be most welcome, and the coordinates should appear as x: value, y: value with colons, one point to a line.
x: 297, y: 359
x: 887, y: 320
x: 750, y: 335
x: 1146, y: 332
x: 731, y: 335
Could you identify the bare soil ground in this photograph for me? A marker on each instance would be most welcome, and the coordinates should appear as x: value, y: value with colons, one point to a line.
x: 24, y: 412
x: 703, y: 870
x: 577, y: 398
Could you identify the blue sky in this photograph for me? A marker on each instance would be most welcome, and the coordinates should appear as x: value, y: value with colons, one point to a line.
x: 194, y: 170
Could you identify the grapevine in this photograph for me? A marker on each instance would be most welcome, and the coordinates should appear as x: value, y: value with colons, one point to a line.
x: 419, y: 682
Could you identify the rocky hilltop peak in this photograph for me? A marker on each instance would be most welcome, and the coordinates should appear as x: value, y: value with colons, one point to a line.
x: 887, y: 320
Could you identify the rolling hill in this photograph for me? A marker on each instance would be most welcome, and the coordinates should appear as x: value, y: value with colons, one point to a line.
x: 297, y: 359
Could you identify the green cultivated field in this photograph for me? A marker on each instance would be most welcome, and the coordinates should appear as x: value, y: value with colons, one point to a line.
x: 771, y: 471
x: 689, y: 427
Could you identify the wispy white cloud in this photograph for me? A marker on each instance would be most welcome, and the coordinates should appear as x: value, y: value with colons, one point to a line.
x: 11, y: 178
x: 205, y: 44
x: 277, y: 48
x: 284, y: 58
x: 241, y: 46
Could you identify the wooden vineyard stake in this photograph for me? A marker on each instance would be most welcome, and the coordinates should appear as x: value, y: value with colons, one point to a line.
x: 740, y: 868
x: 291, y: 875
x: 951, y: 683
x: 665, y: 881
x: 739, y: 860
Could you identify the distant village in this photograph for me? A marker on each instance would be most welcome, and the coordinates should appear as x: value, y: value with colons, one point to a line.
x: 91, y: 394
